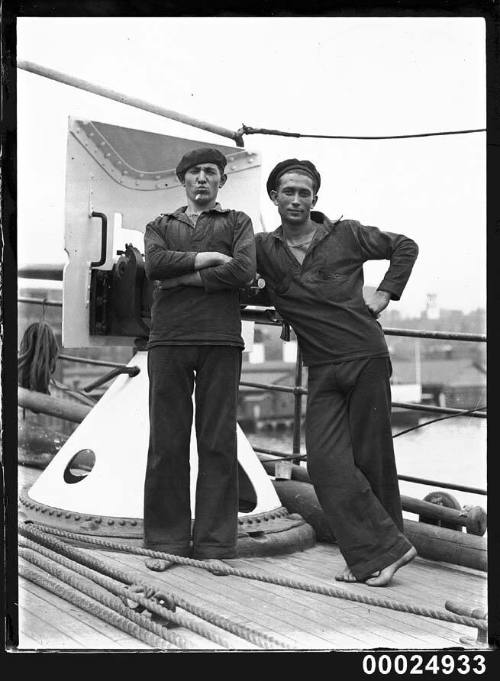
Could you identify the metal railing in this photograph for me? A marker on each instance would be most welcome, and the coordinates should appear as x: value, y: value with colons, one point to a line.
x: 271, y: 317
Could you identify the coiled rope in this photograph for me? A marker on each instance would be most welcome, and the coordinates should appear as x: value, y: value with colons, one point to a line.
x: 38, y: 353
x: 107, y: 614
x: 223, y: 569
x: 77, y: 556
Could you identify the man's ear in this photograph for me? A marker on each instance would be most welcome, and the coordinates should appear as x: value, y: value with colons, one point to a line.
x: 274, y: 196
x: 314, y: 201
x: 222, y: 180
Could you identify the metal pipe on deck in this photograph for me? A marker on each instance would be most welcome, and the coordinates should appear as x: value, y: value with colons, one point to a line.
x: 54, y: 406
x: 65, y: 78
x: 431, y: 541
x: 49, y: 271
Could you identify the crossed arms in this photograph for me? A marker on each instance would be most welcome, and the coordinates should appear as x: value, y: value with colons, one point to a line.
x: 212, y: 270
x: 202, y: 261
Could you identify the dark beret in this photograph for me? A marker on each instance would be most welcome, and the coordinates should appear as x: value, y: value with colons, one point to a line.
x: 290, y: 165
x: 202, y: 155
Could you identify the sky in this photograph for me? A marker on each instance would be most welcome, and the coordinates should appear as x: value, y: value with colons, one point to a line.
x: 337, y: 76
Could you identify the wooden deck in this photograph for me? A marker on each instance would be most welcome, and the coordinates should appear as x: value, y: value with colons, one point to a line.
x: 305, y: 621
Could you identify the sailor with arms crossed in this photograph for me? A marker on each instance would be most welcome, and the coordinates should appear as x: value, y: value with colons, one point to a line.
x: 201, y: 254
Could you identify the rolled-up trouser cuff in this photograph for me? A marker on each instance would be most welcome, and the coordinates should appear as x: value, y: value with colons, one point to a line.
x: 362, y: 571
x: 208, y: 552
x: 174, y: 549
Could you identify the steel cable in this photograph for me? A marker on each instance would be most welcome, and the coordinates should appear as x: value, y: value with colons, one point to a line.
x: 249, y: 130
x: 223, y: 569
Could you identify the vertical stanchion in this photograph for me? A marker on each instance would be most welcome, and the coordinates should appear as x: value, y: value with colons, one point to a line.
x: 297, y: 415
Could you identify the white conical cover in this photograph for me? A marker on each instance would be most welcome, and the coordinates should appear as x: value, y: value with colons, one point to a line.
x: 117, y: 431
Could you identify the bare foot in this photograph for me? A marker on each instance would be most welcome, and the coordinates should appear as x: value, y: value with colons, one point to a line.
x: 385, y: 576
x: 346, y: 576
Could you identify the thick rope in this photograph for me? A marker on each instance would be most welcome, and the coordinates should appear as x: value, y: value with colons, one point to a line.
x: 145, y: 601
x: 37, y: 357
x: 223, y: 569
x: 112, y: 602
x: 259, y: 639
x: 85, y: 603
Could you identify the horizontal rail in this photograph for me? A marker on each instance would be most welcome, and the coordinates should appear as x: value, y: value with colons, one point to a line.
x: 445, y: 485
x: 278, y: 388
x: 270, y: 316
x: 65, y: 78
x: 50, y: 272
x: 439, y: 335
x: 439, y: 410
x: 88, y: 360
x: 261, y: 316
x: 40, y: 301
x: 402, y: 405
x: 407, y: 478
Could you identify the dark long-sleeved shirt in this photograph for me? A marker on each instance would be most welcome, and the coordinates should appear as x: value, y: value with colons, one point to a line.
x: 322, y: 298
x: 192, y: 315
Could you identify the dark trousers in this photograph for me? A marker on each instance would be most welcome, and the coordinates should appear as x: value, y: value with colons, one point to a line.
x: 173, y: 373
x: 351, y: 461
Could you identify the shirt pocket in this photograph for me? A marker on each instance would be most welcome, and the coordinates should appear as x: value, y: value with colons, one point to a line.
x: 333, y: 285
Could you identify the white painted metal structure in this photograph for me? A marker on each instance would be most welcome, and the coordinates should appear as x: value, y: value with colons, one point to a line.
x: 129, y: 175
x: 117, y: 431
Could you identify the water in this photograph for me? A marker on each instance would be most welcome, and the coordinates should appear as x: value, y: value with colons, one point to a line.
x: 452, y: 451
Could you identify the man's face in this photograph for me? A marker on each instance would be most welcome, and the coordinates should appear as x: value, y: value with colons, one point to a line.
x: 294, y: 197
x: 202, y: 182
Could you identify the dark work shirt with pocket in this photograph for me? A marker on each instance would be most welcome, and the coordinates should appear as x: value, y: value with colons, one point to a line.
x: 193, y: 315
x: 322, y: 298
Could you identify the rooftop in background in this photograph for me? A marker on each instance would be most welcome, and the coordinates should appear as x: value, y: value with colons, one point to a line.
x: 451, y: 372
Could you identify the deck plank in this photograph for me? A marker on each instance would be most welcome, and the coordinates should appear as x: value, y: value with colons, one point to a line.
x: 385, y: 623
x: 60, y: 624
x: 192, y: 588
x: 410, y: 593
x: 422, y: 630
x: 280, y: 607
x: 415, y: 579
x: 304, y: 620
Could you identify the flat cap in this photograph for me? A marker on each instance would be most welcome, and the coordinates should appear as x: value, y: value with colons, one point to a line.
x: 288, y: 166
x: 202, y: 155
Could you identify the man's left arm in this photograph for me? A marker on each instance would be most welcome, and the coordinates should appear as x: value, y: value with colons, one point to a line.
x: 237, y: 270
x: 400, y: 250
x: 240, y: 269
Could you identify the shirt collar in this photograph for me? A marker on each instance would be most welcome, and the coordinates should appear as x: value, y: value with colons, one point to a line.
x: 183, y: 211
x: 323, y: 226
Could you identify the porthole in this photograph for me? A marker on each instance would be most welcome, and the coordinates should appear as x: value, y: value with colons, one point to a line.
x: 79, y: 466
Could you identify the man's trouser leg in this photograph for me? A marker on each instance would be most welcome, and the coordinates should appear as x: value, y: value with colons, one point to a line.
x: 371, y: 433
x: 367, y: 537
x: 216, y: 517
x: 167, y: 511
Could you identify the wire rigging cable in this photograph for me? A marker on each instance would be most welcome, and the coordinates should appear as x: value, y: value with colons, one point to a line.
x: 248, y: 130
